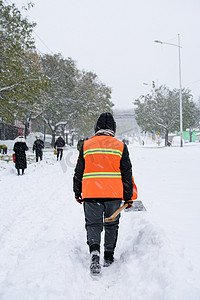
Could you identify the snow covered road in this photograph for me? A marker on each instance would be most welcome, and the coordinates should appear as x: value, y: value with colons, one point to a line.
x: 43, y: 253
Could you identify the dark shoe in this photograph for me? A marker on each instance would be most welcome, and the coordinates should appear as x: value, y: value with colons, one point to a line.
x: 108, y: 258
x: 22, y: 171
x: 95, y: 267
x: 18, y: 171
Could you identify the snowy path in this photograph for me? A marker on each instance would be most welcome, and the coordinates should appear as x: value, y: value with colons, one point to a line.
x: 43, y: 253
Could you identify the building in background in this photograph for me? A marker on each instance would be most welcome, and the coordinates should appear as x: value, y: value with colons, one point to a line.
x: 127, y: 128
x: 10, y: 132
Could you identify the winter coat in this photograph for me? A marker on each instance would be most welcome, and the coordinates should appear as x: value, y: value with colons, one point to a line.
x: 20, y: 156
x: 60, y: 143
x: 38, y: 145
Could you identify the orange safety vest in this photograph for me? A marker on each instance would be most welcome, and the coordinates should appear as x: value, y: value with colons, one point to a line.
x: 102, y: 175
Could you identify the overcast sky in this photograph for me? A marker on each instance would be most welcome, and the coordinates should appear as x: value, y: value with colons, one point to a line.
x: 115, y: 40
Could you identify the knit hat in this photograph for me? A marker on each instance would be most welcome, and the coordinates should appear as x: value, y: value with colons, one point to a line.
x: 105, y: 121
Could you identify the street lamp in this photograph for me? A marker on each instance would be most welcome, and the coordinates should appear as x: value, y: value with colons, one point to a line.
x: 152, y: 84
x: 180, y: 89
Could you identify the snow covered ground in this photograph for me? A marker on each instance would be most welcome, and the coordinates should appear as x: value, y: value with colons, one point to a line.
x: 43, y: 252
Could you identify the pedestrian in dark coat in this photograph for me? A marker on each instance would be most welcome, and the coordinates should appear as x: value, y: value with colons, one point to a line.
x: 59, y: 144
x: 103, y: 177
x: 20, y: 149
x: 38, y: 147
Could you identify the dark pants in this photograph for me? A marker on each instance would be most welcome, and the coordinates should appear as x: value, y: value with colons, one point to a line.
x: 59, y: 152
x: 38, y: 155
x: 95, y: 212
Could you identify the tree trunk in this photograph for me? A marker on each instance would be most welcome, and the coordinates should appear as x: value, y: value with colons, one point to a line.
x: 53, y: 138
x: 63, y: 131
x: 26, y: 128
x: 53, y: 132
x: 67, y: 141
x: 44, y: 131
x: 72, y: 139
x: 166, y: 138
x: 27, y: 125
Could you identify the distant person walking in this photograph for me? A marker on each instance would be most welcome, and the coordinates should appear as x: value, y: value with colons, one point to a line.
x: 38, y: 147
x: 20, y: 149
x: 59, y: 144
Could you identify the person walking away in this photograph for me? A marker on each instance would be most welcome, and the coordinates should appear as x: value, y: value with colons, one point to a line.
x: 20, y: 148
x: 38, y: 147
x: 59, y: 144
x: 102, y: 178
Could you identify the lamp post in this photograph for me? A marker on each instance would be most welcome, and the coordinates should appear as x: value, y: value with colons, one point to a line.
x: 180, y: 88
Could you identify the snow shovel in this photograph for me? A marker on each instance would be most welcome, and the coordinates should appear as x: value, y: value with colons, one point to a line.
x: 136, y: 206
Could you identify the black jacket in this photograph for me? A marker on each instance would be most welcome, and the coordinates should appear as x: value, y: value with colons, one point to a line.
x: 59, y: 142
x: 20, y: 155
x: 38, y: 145
x: 126, y: 172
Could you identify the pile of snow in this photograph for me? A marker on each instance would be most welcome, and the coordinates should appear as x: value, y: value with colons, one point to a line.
x: 43, y: 253
x: 176, y: 141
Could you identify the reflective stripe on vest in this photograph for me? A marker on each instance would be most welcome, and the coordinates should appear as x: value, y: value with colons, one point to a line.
x: 102, y: 151
x: 102, y: 175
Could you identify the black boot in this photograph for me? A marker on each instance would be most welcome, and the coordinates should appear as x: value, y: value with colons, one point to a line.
x: 95, y: 267
x: 18, y: 171
x: 108, y: 258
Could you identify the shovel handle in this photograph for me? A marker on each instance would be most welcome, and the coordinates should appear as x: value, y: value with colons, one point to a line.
x: 116, y: 213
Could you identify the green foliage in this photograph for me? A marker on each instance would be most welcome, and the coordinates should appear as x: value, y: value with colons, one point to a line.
x: 157, y: 111
x: 48, y: 86
x: 90, y: 99
x: 74, y: 98
x: 20, y: 70
x: 160, y: 111
x: 58, y: 95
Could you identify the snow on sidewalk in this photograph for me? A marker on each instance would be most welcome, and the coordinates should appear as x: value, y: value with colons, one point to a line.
x: 43, y: 253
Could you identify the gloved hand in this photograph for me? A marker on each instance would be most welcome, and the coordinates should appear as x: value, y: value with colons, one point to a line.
x: 129, y: 202
x: 79, y: 199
